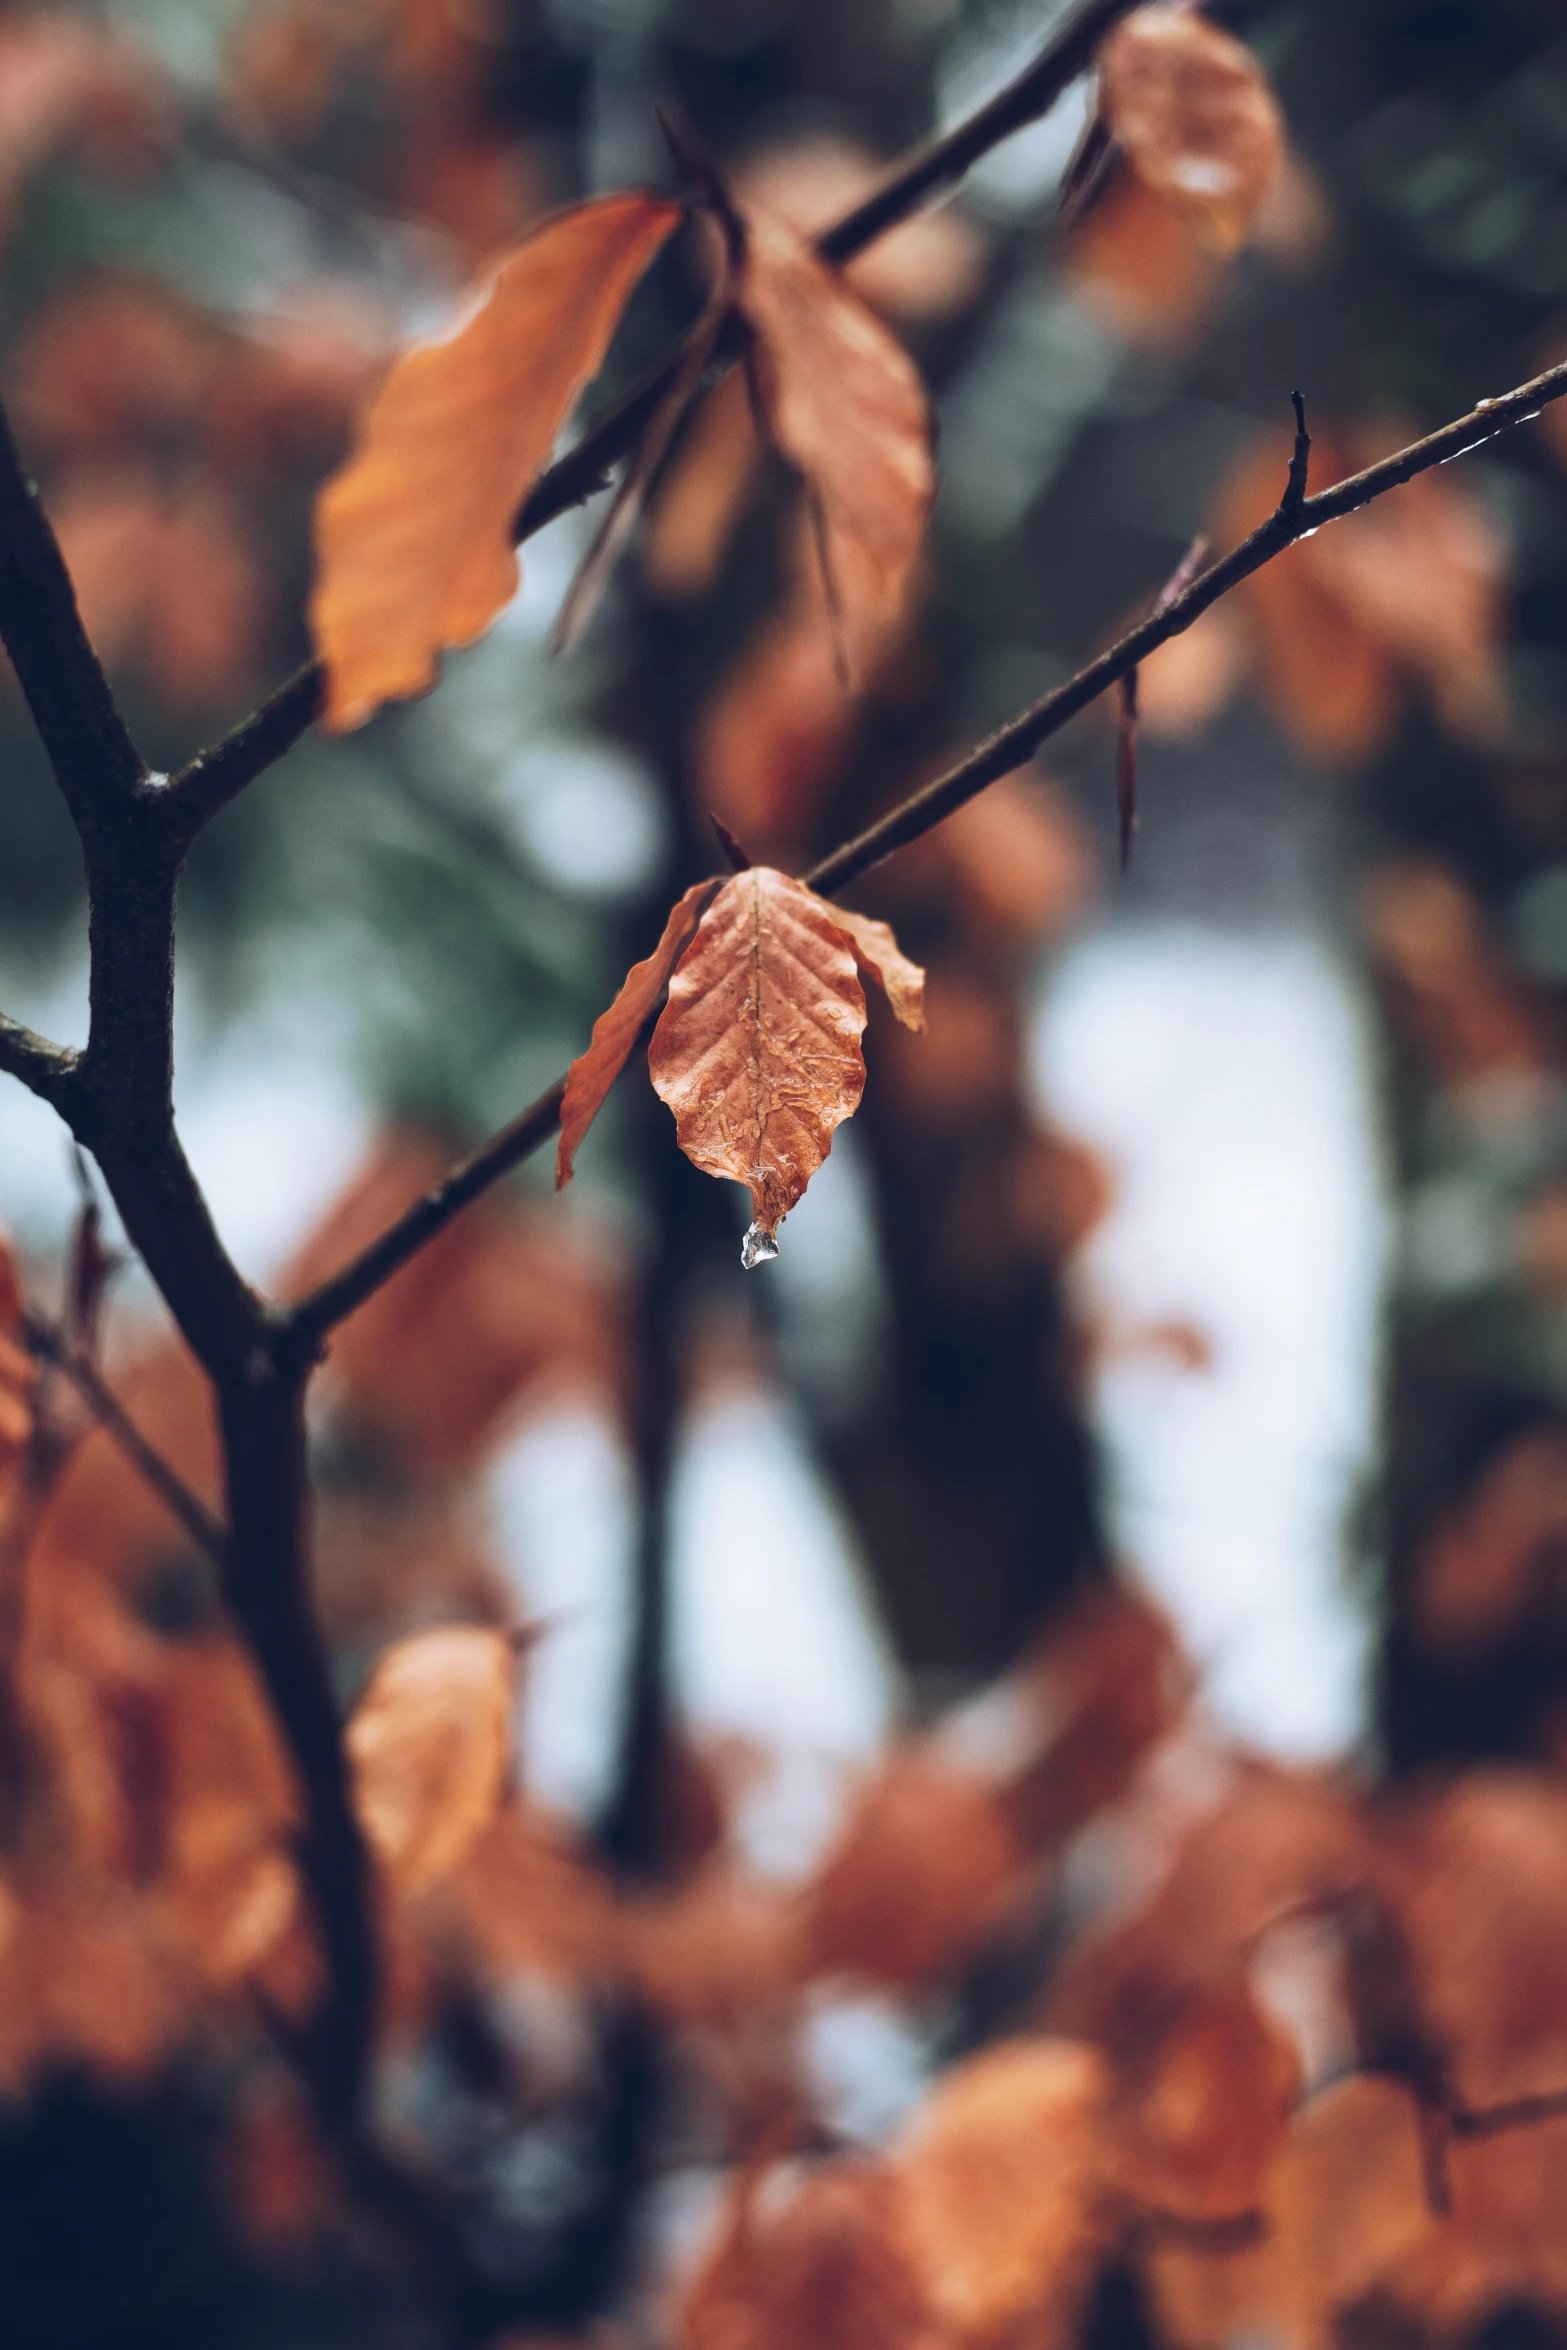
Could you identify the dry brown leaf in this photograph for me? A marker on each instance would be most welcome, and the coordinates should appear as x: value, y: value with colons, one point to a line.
x: 1191, y: 110
x: 18, y: 1374
x: 592, y: 1073
x: 924, y: 268
x: 503, y: 1301
x: 525, y: 1900
x: 429, y: 1743
x: 414, y: 547
x: 1425, y: 573
x: 924, y: 1868
x: 809, y: 2255
x: 228, y: 1885
x: 1098, y: 1692
x: 67, y: 83
x: 1410, y: 587
x: 845, y: 404
x: 1186, y: 682
x: 1346, y: 2207
x: 1141, y: 267
x: 1200, y: 2106
x: 86, y: 1983
x: 703, y: 494
x: 878, y: 953
x: 1503, y: 2244
x: 1455, y: 992
x: 1492, y: 1560
x: 774, y: 736
x: 167, y: 582
x: 757, y: 1051
x: 1476, y: 1882
x: 999, y: 2180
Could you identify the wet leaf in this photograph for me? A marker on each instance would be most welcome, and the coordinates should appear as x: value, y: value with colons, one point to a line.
x: 414, y: 547
x: 757, y: 1052
x: 429, y: 1743
x: 845, y: 404
x: 1192, y: 111
x: 878, y: 953
x: 615, y: 1032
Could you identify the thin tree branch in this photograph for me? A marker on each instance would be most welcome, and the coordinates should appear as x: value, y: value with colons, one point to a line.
x: 302, y: 1330
x: 117, y: 1098
x: 309, y: 1322
x: 1016, y: 743
x: 95, y: 762
x: 44, y: 1068
x: 220, y: 774
x: 49, y: 1345
x: 1068, y: 52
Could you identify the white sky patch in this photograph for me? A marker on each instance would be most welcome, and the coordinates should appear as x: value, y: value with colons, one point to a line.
x: 564, y: 1509
x: 1226, y: 1081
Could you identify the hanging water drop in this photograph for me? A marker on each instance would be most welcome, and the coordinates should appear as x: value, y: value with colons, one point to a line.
x: 758, y: 1248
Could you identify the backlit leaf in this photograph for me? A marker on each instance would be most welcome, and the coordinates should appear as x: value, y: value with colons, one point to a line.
x: 429, y: 1742
x: 845, y: 404
x: 1193, y: 113
x: 615, y: 1032
x: 999, y: 2176
x: 413, y: 537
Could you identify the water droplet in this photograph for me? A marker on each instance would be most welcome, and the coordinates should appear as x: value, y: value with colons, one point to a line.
x: 1485, y: 403
x: 758, y: 1248
x: 1308, y: 534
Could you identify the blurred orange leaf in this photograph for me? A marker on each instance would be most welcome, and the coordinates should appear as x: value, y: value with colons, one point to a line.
x: 414, y: 547
x: 818, y: 2255
x: 922, y: 268
x: 845, y: 404
x: 923, y: 1869
x: 757, y: 1051
x: 615, y: 1032
x: 704, y: 493
x: 1346, y: 2207
x: 999, y: 2183
x: 1192, y: 111
x: 1200, y: 2106
x: 18, y: 1377
x: 167, y: 581
x: 429, y: 1742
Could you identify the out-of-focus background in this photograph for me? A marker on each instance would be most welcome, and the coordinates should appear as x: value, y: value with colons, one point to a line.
x: 1217, y: 1229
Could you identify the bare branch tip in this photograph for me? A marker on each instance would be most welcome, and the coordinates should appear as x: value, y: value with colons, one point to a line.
x: 1295, y: 485
x: 739, y: 862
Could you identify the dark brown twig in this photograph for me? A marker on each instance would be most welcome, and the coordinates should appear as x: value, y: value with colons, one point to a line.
x: 117, y: 1099
x: 302, y: 1330
x: 50, y: 1345
x: 1004, y: 752
x: 221, y: 773
x: 1178, y: 582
